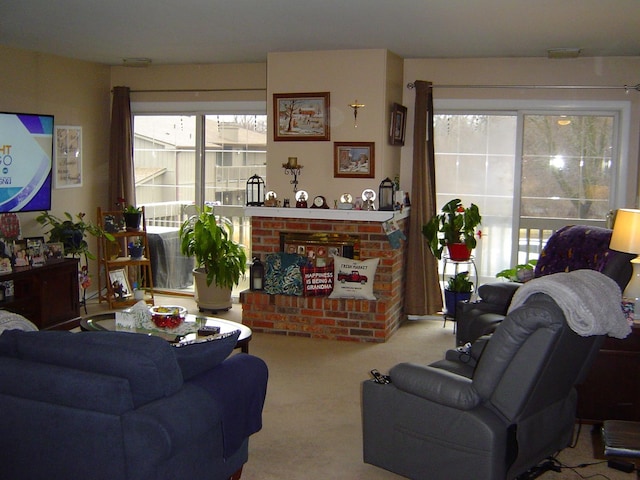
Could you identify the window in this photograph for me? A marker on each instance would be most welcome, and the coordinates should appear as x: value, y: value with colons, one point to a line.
x: 530, y: 172
x: 184, y: 159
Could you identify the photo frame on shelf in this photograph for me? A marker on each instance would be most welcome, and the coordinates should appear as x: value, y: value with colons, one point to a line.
x: 54, y: 250
x: 19, y: 256
x: 118, y: 279
x: 301, y: 116
x: 68, y: 157
x: 354, y: 160
x: 398, y: 124
x: 35, y: 250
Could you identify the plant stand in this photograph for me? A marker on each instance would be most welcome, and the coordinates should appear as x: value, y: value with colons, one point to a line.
x: 473, y: 271
x: 117, y: 264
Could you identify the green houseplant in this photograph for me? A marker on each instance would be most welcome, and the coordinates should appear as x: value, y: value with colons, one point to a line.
x: 458, y: 288
x: 72, y: 232
x: 219, y: 259
x: 520, y: 273
x: 454, y: 225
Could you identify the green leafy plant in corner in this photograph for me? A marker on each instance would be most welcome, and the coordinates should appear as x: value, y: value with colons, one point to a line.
x: 454, y: 224
x: 460, y: 283
x: 208, y: 238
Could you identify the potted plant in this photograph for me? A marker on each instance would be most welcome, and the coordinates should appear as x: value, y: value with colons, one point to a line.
x: 131, y: 214
x: 520, y: 273
x: 455, y: 228
x: 219, y: 259
x: 72, y: 234
x: 136, y: 249
x: 458, y: 289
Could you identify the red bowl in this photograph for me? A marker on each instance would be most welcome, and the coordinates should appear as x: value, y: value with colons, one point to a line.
x: 168, y: 316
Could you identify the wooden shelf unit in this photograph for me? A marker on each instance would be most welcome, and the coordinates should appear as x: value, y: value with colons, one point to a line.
x: 113, y: 256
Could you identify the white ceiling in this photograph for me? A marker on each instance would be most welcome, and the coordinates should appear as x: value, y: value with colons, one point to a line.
x: 230, y: 31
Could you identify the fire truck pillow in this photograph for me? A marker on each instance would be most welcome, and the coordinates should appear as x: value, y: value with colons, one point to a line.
x: 317, y: 281
x: 354, y: 278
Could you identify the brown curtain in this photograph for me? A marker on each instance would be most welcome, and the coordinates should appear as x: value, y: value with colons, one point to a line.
x: 121, y: 177
x: 423, y: 296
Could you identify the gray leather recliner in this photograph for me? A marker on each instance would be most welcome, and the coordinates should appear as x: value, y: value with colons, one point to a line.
x: 492, y: 420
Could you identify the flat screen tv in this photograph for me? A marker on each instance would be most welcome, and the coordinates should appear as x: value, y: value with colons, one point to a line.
x: 26, y: 154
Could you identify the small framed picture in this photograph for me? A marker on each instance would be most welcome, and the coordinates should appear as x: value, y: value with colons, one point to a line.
x: 354, y: 159
x: 54, y: 250
x: 20, y: 257
x: 398, y: 124
x: 119, y: 283
x: 5, y: 265
x: 35, y: 250
x: 301, y: 116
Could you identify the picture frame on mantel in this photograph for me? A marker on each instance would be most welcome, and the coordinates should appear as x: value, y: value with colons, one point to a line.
x: 354, y: 160
x: 301, y: 117
x: 398, y: 125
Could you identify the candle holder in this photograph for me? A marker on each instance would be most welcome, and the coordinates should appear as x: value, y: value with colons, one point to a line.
x: 292, y: 168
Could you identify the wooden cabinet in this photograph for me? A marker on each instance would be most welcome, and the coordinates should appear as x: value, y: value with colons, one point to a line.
x: 611, y: 391
x: 47, y: 295
x: 117, y: 265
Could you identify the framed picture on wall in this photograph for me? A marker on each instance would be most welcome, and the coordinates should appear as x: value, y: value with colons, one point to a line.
x: 398, y: 124
x: 68, y: 156
x: 354, y: 160
x: 301, y: 116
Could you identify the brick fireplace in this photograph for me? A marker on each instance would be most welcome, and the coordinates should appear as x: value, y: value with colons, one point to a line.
x: 320, y: 317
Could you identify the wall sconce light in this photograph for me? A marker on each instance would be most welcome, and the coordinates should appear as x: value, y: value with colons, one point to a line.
x: 255, y: 191
x: 355, y: 105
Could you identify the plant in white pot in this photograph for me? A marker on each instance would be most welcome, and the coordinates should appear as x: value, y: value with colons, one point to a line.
x: 220, y: 261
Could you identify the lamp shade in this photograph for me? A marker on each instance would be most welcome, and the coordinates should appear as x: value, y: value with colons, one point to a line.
x: 626, y: 231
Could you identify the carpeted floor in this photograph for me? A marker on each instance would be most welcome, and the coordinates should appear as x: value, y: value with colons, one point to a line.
x: 312, y: 424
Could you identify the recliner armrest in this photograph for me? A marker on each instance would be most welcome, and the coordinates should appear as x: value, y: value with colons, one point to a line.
x: 436, y: 385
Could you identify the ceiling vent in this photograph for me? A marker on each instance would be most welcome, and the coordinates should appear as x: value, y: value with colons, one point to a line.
x: 563, y: 53
x: 136, y: 62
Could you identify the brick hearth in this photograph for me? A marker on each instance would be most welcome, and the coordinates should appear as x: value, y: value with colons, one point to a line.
x: 321, y: 317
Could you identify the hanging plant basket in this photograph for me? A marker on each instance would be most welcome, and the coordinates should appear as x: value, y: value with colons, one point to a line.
x: 459, y: 252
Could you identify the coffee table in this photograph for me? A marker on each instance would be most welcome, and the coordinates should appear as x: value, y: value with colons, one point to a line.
x: 107, y: 322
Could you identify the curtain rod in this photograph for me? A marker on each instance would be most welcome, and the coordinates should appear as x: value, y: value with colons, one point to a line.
x: 541, y: 87
x: 199, y: 90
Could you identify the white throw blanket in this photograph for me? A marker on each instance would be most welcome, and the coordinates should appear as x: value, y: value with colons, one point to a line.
x: 591, y: 301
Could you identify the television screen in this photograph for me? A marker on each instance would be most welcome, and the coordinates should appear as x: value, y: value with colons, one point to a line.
x: 26, y: 153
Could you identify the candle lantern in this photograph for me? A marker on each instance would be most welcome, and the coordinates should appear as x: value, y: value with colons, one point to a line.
x: 255, y: 191
x: 385, y: 195
x: 256, y: 275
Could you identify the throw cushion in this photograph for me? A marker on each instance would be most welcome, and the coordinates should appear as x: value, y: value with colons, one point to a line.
x: 354, y: 278
x: 282, y: 273
x: 317, y: 281
x: 198, y: 357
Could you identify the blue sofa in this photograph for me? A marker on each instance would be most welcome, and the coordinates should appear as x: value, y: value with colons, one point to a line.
x: 115, y: 406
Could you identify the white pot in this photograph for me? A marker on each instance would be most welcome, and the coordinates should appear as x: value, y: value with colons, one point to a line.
x: 210, y: 297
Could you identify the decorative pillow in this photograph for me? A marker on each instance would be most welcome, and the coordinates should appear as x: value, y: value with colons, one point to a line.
x: 317, y: 281
x: 198, y: 357
x: 282, y: 273
x: 354, y: 278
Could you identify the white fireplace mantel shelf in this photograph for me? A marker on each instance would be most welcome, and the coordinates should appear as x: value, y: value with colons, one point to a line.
x: 326, y: 214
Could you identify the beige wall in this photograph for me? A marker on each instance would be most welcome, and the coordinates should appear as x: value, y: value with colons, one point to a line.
x: 609, y: 71
x: 77, y: 94
x: 373, y: 77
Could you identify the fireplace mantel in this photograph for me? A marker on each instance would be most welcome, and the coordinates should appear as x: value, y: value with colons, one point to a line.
x: 326, y: 214
x: 322, y: 317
